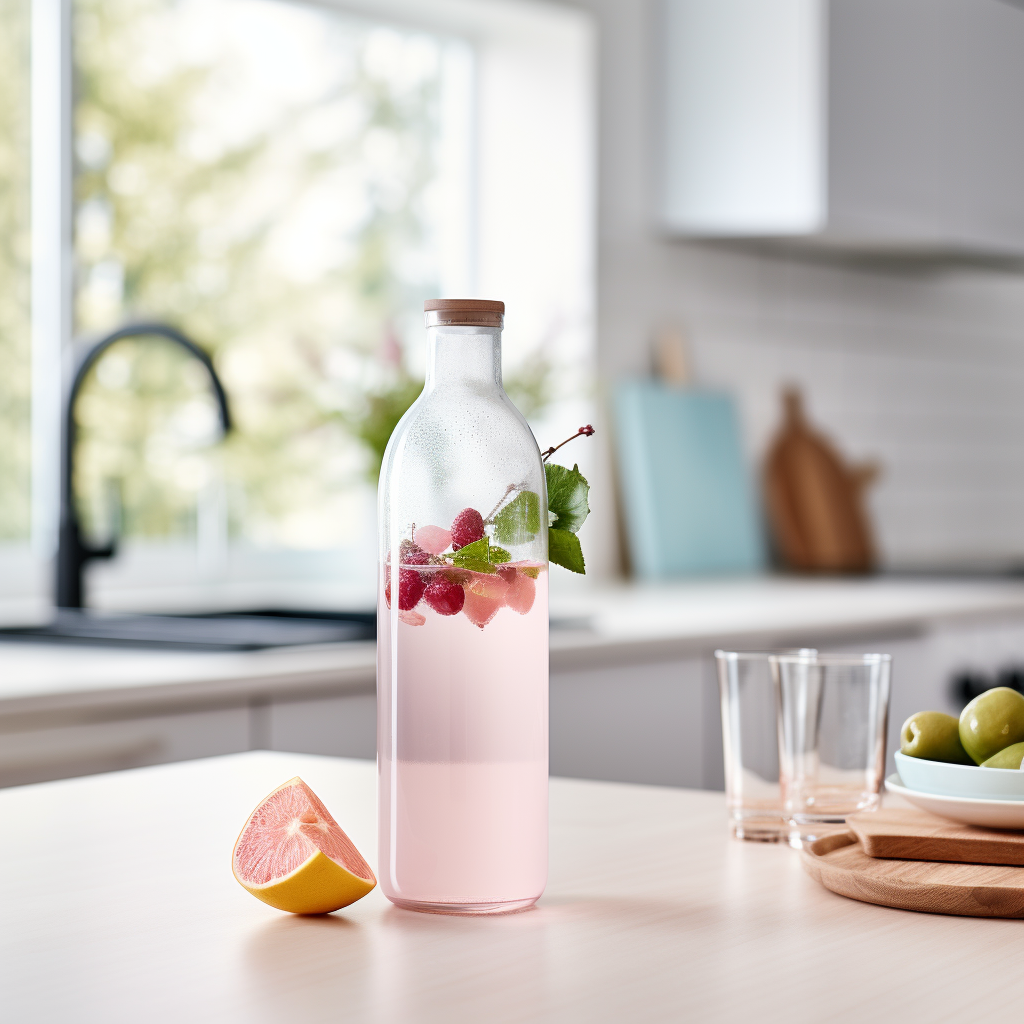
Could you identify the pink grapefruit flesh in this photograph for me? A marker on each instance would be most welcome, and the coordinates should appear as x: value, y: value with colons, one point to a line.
x: 293, y: 855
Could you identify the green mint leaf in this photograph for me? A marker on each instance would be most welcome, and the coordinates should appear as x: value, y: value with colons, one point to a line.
x: 567, y: 498
x: 519, y: 521
x: 498, y: 556
x: 478, y: 549
x: 564, y: 549
x: 476, y: 556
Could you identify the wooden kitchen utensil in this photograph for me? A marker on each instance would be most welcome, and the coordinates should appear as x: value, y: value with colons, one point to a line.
x: 815, y: 499
x: 840, y: 864
x: 904, y: 834
x: 672, y: 356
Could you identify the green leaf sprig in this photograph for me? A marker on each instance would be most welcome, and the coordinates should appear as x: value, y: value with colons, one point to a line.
x: 568, y: 508
x: 518, y: 522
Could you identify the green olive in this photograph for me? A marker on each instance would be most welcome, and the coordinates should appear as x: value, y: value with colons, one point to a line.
x: 933, y: 736
x: 992, y: 721
x: 1008, y: 757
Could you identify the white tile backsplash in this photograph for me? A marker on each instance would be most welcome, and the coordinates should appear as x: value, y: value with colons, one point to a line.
x: 920, y: 367
x: 940, y: 408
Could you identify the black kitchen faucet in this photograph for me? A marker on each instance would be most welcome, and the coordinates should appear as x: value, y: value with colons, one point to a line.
x: 72, y: 551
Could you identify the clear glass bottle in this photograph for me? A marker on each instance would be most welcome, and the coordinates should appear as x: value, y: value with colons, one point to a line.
x: 462, y: 643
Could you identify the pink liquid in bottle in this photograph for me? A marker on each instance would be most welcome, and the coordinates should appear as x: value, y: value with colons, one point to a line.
x: 463, y: 758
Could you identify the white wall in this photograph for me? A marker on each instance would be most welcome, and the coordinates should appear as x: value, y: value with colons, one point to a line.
x: 922, y: 367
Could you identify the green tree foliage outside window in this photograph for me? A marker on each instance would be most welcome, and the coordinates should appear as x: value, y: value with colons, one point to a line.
x: 292, y: 239
x: 15, y: 282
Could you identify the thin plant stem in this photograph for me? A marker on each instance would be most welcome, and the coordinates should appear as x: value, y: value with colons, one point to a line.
x: 582, y: 432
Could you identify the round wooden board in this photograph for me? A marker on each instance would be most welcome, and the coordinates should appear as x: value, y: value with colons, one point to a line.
x: 967, y: 890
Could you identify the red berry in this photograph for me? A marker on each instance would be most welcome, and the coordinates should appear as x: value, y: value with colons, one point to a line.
x: 410, y: 588
x: 467, y: 528
x: 414, y: 556
x: 444, y: 596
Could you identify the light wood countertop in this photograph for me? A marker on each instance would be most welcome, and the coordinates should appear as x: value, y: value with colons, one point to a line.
x: 117, y: 904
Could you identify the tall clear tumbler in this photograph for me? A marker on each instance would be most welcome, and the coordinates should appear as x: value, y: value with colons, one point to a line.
x: 750, y: 744
x: 832, y: 716
x: 462, y: 643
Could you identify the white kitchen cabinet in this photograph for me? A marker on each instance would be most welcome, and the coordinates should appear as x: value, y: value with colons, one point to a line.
x: 863, y: 125
x: 84, y: 748
x: 345, y: 725
x: 642, y: 722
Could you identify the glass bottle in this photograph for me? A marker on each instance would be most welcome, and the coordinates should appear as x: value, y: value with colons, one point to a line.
x: 462, y: 643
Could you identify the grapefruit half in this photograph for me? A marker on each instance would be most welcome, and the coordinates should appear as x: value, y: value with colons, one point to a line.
x: 293, y: 855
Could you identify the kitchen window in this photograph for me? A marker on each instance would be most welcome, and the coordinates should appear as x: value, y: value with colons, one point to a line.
x: 15, y: 292
x: 286, y: 182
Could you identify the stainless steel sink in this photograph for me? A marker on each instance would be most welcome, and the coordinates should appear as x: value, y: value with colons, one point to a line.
x: 219, y: 631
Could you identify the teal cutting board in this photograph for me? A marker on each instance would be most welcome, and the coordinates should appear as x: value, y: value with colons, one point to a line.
x: 687, y: 495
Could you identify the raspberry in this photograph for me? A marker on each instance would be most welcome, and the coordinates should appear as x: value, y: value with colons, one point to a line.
x: 467, y: 528
x: 444, y: 596
x: 410, y: 588
x: 412, y: 554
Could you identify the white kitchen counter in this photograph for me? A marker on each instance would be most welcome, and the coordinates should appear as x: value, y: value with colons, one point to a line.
x: 39, y: 677
x: 603, y: 626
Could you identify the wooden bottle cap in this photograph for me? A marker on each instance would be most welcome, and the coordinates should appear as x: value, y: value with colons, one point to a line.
x: 467, y: 312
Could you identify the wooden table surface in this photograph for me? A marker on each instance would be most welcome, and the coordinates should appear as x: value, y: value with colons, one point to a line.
x: 117, y: 904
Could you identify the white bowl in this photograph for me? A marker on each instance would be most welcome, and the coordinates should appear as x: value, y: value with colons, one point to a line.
x: 1006, y: 814
x: 960, y: 780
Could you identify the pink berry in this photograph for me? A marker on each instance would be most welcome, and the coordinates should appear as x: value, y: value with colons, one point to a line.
x: 521, y: 589
x: 410, y: 589
x: 467, y: 528
x: 433, y: 539
x: 444, y: 596
x: 479, y: 609
x: 521, y: 594
x: 485, y: 596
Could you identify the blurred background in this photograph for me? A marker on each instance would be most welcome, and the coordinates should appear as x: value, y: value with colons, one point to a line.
x: 772, y: 249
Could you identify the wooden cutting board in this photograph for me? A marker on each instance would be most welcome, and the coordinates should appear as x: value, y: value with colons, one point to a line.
x: 815, y: 499
x: 916, y: 835
x: 840, y: 864
x: 688, y: 499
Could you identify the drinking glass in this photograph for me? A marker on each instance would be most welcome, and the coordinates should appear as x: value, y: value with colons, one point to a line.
x: 750, y: 742
x: 832, y: 715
